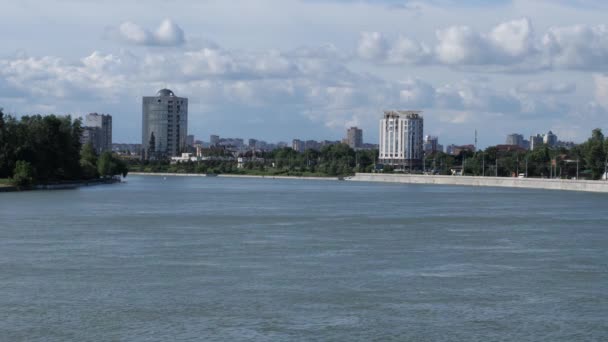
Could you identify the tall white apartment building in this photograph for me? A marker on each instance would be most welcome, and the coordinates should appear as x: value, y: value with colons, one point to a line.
x: 402, y: 138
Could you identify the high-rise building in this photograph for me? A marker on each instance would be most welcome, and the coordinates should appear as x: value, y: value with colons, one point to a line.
x: 98, y: 132
x: 431, y: 145
x: 515, y: 139
x: 190, y: 140
x: 550, y: 139
x: 401, y: 138
x: 298, y: 145
x: 214, y: 139
x: 354, y: 137
x: 536, y: 141
x: 164, y: 124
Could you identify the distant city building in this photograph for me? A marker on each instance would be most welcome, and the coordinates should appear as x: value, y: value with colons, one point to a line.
x: 401, y: 138
x: 190, y: 140
x: 127, y: 149
x: 510, y: 148
x: 214, y: 139
x: 312, y: 145
x: 515, y: 139
x: 98, y: 132
x: 431, y: 145
x: 550, y: 139
x: 565, y: 144
x: 354, y: 137
x: 164, y: 124
x: 458, y: 149
x: 536, y: 141
x: 298, y: 145
x: 252, y: 143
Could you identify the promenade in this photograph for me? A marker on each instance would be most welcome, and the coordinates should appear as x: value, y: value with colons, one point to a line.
x: 527, y: 183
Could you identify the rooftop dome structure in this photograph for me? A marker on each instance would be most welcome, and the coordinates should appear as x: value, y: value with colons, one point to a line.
x: 165, y: 92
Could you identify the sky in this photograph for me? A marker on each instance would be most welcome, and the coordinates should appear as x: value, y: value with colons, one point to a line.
x: 282, y: 69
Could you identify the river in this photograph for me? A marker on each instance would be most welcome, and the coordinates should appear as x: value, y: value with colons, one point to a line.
x: 225, y: 259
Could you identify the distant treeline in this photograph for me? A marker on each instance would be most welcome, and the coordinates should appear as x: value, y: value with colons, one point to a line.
x: 46, y: 149
x: 332, y: 160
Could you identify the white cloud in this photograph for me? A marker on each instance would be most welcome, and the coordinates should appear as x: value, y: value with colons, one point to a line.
x: 168, y: 33
x: 507, y: 47
x: 601, y: 89
x: 576, y: 47
x: 372, y: 46
x: 408, y: 51
x: 547, y: 87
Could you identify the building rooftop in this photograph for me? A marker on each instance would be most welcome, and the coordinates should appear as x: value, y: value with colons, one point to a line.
x: 165, y: 92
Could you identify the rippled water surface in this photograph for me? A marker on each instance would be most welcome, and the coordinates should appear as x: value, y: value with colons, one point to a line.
x: 215, y: 259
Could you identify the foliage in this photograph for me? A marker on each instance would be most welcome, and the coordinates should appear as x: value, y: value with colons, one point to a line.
x: 23, y: 174
x: 332, y: 160
x: 50, y: 144
x: 108, y: 165
x: 88, y: 162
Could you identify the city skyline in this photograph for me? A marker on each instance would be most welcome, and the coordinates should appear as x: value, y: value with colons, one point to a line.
x: 500, y: 67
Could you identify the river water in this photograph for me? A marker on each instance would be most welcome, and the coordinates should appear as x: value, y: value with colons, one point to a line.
x: 216, y: 259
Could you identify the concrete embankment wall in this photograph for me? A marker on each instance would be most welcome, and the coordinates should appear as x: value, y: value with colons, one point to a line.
x: 226, y: 176
x: 529, y: 183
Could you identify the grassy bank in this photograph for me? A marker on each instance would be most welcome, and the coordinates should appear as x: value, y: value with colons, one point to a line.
x: 5, y: 182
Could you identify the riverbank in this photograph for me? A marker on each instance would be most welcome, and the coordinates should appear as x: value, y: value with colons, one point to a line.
x: 526, y: 183
x: 166, y: 174
x: 60, y: 186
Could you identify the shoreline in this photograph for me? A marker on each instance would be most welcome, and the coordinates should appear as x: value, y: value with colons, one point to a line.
x: 477, y: 181
x: 60, y: 186
x: 168, y: 174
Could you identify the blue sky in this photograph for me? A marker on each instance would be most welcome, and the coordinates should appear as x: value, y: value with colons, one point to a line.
x: 284, y: 69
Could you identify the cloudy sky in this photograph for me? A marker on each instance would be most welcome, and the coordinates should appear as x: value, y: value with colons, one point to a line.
x: 284, y: 69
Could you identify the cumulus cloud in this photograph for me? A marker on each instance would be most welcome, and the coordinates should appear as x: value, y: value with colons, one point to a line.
x: 547, y: 87
x: 576, y: 47
x: 168, y: 33
x: 509, y: 46
x: 372, y: 46
x: 304, y: 86
x: 601, y: 89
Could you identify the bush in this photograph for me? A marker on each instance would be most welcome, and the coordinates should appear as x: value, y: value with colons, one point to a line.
x: 23, y: 174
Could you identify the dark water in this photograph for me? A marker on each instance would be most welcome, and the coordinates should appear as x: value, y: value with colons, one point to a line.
x: 212, y: 259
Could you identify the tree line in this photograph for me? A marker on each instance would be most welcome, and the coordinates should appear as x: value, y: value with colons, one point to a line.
x: 36, y: 149
x: 586, y: 160
x: 331, y: 160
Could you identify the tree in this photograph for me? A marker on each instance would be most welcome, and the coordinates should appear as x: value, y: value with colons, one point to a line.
x: 108, y: 165
x: 595, y: 155
x: 88, y: 162
x: 23, y: 174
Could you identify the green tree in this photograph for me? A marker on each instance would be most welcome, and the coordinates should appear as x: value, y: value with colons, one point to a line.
x: 595, y: 155
x: 23, y: 174
x: 88, y: 162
